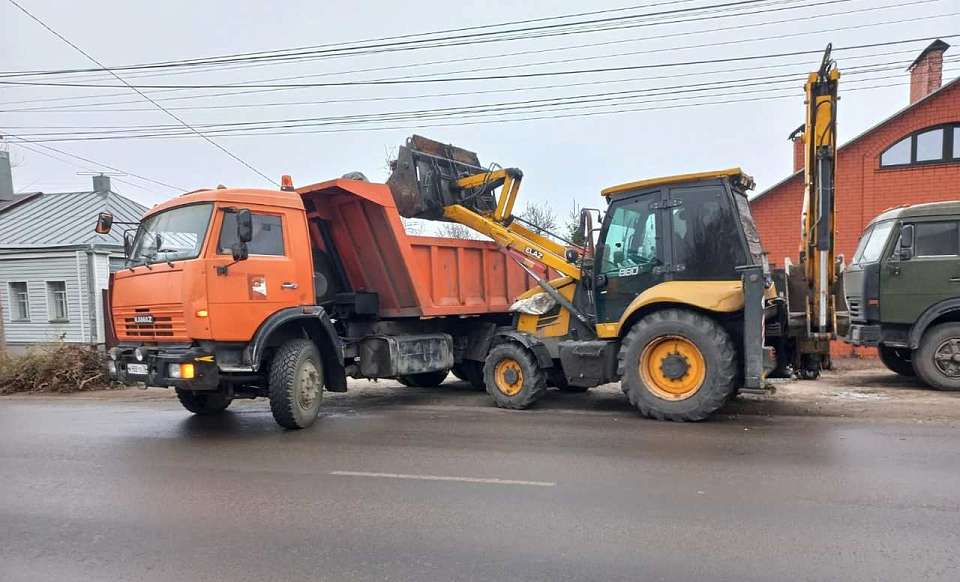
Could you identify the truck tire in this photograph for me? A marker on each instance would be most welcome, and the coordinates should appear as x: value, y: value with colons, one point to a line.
x: 897, y: 360
x: 677, y: 365
x: 557, y: 379
x: 204, y: 403
x: 512, y: 376
x: 296, y: 384
x: 424, y: 380
x: 937, y: 360
x: 471, y: 372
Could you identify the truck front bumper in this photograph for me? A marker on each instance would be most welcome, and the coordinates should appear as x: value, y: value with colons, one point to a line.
x: 863, y: 335
x: 152, y: 365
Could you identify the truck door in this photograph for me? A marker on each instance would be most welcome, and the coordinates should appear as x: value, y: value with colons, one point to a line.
x: 269, y: 280
x: 908, y: 286
x: 631, y: 254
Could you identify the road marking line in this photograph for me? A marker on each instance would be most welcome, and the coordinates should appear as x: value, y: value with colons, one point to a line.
x: 489, y: 481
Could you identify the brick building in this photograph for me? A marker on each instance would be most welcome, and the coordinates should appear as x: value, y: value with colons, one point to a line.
x: 911, y: 157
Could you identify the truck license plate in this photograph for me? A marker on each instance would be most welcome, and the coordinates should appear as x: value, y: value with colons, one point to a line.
x: 138, y: 369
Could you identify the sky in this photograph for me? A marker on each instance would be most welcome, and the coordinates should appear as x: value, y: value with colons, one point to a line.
x: 679, y: 118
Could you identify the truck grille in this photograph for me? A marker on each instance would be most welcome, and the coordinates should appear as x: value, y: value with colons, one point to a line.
x: 854, y: 306
x: 163, y: 322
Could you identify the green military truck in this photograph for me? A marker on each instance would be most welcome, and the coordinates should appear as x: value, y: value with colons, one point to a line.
x: 903, y: 291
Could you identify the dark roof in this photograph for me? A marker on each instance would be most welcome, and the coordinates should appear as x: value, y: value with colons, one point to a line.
x: 865, y: 133
x: 937, y: 45
x: 43, y: 220
x: 17, y: 199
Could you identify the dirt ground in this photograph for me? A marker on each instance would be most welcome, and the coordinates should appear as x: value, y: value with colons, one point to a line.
x: 854, y: 389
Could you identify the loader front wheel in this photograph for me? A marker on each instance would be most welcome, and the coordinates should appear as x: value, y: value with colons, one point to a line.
x: 512, y: 376
x: 296, y: 384
x: 678, y: 365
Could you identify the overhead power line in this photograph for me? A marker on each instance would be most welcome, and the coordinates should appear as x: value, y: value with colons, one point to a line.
x: 145, y: 96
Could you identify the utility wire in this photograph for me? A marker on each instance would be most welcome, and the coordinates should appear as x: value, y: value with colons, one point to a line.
x: 142, y: 94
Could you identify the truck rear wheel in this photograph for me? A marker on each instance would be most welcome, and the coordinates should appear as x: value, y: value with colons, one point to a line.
x: 296, y: 384
x: 471, y: 372
x: 204, y: 403
x: 678, y: 365
x: 897, y: 360
x: 512, y: 376
x: 937, y: 361
x: 424, y: 380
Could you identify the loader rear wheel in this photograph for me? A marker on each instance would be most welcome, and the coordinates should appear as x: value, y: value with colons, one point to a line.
x: 296, y: 384
x: 424, y: 380
x: 204, y: 403
x: 897, y: 360
x: 512, y: 376
x: 471, y: 372
x: 678, y: 365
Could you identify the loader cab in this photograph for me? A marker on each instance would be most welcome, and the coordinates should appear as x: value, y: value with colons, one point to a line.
x: 671, y: 229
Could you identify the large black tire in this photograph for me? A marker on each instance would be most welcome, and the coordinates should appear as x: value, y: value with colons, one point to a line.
x: 715, y: 366
x: 424, y: 380
x: 899, y: 360
x: 557, y: 379
x: 512, y: 376
x: 936, y: 360
x: 471, y: 372
x: 205, y: 403
x: 296, y: 384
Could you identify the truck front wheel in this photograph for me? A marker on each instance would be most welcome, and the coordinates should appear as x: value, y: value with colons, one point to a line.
x: 937, y: 361
x: 513, y: 377
x: 204, y: 403
x: 678, y: 365
x: 296, y: 384
x: 897, y: 360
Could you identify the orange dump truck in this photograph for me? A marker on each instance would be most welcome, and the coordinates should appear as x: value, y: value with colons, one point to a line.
x: 242, y: 293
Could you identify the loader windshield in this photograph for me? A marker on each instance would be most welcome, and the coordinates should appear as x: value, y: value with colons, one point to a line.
x: 171, y: 235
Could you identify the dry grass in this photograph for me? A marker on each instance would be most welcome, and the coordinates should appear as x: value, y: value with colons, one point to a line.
x: 56, y: 368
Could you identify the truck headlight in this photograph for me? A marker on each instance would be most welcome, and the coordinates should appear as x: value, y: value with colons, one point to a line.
x: 181, y: 371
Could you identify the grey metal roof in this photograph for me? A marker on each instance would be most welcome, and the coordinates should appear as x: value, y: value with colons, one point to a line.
x: 55, y: 220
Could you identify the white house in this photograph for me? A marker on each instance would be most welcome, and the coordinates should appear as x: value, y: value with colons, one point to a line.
x: 53, y: 267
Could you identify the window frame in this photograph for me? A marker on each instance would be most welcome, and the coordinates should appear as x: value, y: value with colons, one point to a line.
x: 949, y: 149
x: 10, y: 301
x: 51, y: 314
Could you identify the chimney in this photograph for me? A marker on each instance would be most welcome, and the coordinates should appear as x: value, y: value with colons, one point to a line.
x: 6, y: 177
x: 101, y: 184
x: 926, y: 72
x: 798, y: 152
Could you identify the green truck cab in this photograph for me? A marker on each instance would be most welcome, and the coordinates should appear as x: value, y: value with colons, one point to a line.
x: 903, y: 291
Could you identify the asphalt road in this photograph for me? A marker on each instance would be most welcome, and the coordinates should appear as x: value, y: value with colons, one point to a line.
x: 410, y: 484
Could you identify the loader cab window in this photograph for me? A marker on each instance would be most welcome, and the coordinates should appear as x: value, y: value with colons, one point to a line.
x: 267, y: 235
x: 706, y: 235
x: 630, y: 244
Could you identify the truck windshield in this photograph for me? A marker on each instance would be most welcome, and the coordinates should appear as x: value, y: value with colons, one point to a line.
x: 171, y: 235
x: 872, y: 242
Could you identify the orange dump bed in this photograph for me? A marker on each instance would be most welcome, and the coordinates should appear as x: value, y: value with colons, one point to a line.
x: 413, y: 276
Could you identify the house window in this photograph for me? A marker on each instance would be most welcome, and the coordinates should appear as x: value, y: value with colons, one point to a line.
x: 931, y: 145
x: 57, y: 301
x: 19, y: 302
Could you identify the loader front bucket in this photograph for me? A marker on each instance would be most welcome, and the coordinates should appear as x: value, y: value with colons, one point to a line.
x: 424, y: 179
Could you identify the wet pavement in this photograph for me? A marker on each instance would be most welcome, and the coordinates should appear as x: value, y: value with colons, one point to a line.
x: 853, y: 478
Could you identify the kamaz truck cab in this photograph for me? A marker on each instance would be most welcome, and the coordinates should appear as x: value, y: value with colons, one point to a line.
x: 903, y: 291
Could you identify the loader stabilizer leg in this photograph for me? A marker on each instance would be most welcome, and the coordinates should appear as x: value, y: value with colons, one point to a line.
x: 755, y: 354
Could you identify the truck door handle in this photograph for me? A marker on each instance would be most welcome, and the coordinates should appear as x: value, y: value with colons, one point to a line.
x: 288, y: 285
x: 955, y: 279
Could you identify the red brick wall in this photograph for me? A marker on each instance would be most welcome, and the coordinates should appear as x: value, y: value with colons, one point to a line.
x: 863, y: 189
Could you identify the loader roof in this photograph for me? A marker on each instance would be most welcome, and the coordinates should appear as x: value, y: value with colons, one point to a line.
x: 677, y: 179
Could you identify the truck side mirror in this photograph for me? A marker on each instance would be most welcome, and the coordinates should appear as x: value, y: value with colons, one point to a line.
x: 905, y: 252
x: 240, y: 251
x: 244, y: 226
x: 127, y: 244
x: 104, y: 223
